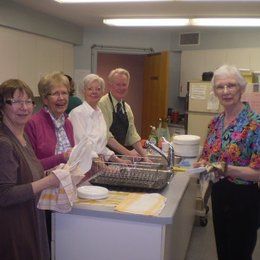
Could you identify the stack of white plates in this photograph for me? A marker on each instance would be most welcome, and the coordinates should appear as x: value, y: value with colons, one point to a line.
x: 92, y: 192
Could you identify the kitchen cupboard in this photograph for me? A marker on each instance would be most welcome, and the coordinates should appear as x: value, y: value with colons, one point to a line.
x: 28, y: 56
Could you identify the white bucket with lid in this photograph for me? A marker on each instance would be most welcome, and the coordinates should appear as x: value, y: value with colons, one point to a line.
x: 186, y: 145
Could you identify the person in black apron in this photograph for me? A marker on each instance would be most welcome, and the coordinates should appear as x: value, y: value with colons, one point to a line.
x: 120, y: 123
x: 119, y: 117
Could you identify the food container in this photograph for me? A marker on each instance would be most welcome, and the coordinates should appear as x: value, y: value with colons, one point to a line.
x: 186, y: 145
x: 175, y: 117
x: 247, y: 74
x: 256, y: 76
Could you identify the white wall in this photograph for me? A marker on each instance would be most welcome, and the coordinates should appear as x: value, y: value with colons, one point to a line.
x: 28, y: 57
x: 33, y: 43
x: 16, y: 16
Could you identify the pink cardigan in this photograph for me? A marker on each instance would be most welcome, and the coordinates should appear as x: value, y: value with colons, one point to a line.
x: 41, y: 132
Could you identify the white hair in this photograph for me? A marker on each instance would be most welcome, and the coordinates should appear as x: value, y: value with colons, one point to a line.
x: 91, y: 78
x: 229, y: 70
x: 119, y: 71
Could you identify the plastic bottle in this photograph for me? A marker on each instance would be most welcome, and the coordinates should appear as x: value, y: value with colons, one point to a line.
x: 153, y: 136
x: 175, y: 116
x: 165, y: 129
x: 159, y: 133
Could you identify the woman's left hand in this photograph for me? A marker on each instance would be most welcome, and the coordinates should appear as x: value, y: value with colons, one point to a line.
x: 53, y: 180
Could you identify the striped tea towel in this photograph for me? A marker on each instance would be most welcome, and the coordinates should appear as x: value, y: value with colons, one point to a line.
x: 150, y: 204
x: 61, y: 199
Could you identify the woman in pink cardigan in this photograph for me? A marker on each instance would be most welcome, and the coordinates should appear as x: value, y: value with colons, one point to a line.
x: 49, y: 130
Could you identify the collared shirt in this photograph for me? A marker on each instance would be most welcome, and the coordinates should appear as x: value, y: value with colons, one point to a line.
x: 90, y: 122
x: 105, y: 105
x: 63, y: 143
x: 115, y: 102
x: 238, y: 144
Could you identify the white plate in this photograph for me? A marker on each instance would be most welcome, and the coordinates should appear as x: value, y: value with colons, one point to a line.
x: 196, y: 170
x: 92, y: 192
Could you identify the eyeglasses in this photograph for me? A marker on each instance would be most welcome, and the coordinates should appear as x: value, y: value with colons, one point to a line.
x: 19, y: 103
x: 59, y: 94
x: 228, y: 86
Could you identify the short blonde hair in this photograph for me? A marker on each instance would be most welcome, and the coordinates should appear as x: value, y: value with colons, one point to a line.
x: 91, y: 78
x: 48, y: 81
x: 118, y: 71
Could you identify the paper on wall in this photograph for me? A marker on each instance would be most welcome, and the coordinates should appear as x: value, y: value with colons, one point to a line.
x: 212, y: 102
x: 198, y: 92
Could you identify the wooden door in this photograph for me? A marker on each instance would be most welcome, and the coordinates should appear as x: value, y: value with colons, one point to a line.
x: 155, y: 92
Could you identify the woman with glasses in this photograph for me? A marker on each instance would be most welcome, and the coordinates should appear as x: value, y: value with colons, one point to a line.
x: 234, y: 138
x: 22, y: 225
x: 49, y: 130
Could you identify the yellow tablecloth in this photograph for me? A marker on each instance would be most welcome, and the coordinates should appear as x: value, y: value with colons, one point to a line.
x: 150, y: 204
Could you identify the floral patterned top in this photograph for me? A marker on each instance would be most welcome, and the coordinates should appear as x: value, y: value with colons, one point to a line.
x: 238, y: 144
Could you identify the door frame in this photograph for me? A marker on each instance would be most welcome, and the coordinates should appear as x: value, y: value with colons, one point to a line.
x: 95, y: 49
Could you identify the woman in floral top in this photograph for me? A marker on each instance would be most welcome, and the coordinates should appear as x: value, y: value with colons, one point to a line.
x: 234, y: 138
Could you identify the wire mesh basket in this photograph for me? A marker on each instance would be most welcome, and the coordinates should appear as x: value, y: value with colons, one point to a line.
x: 137, y: 175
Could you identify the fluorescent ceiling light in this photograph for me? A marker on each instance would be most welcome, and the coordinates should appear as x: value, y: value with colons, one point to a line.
x: 106, y: 1
x: 231, y: 22
x: 241, y: 22
x: 102, y: 1
x: 147, y: 22
x: 216, y: 0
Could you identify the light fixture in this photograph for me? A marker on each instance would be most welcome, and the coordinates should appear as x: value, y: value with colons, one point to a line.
x: 147, y: 22
x: 231, y: 22
x: 105, y: 1
x: 102, y: 1
x: 170, y: 22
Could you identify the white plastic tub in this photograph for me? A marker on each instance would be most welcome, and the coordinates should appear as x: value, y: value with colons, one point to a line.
x: 186, y: 145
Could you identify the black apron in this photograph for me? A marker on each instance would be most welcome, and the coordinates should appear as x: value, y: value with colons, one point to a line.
x: 120, y: 124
